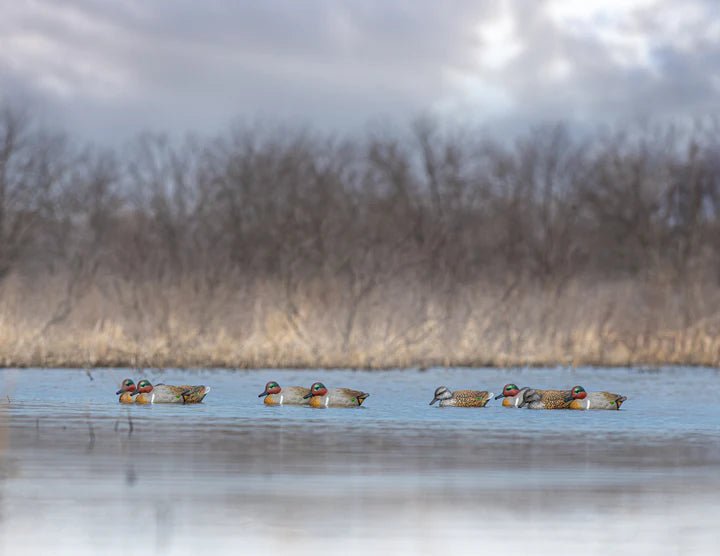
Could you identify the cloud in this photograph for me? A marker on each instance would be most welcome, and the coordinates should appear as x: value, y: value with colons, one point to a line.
x: 109, y: 70
x: 607, y: 61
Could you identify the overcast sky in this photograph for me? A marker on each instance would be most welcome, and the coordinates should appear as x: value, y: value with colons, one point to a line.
x: 107, y: 70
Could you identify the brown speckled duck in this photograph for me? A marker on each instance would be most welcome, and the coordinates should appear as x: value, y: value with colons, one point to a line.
x: 599, y: 400
x: 461, y: 398
x: 288, y: 395
x: 550, y: 399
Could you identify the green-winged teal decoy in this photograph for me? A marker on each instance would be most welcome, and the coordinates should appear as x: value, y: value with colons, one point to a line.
x: 461, y: 398
x: 598, y: 400
x: 287, y: 395
x: 509, y: 395
x: 320, y: 396
x: 127, y: 388
x: 550, y: 399
x: 165, y: 393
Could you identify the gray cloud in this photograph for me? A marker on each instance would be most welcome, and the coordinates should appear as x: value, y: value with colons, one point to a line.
x: 109, y: 70
x: 651, y: 62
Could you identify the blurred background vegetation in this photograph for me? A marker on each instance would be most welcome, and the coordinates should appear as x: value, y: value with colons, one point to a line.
x: 425, y: 246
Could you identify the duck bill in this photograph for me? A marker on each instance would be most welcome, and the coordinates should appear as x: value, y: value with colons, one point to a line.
x: 261, y: 394
x: 308, y: 395
x: 499, y: 396
x: 119, y: 391
x: 433, y: 401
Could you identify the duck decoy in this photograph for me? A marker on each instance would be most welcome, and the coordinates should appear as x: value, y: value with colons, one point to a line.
x: 320, y: 396
x: 165, y: 393
x: 599, y: 400
x: 550, y: 399
x: 288, y: 395
x: 461, y: 398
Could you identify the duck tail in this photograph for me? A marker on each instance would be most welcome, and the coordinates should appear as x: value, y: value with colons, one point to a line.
x: 362, y: 397
x: 195, y: 395
x: 619, y: 401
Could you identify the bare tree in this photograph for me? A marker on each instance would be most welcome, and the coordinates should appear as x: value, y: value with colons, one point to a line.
x: 32, y: 165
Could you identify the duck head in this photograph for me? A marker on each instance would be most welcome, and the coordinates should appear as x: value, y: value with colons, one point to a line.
x: 441, y: 393
x: 527, y: 396
x: 317, y: 389
x: 509, y: 390
x: 144, y: 387
x: 127, y: 386
x: 271, y: 387
x: 576, y: 393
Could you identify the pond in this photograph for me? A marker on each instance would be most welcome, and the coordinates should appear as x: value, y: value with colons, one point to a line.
x: 82, y: 474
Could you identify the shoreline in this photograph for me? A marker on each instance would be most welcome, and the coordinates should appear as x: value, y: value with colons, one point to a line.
x: 639, y: 367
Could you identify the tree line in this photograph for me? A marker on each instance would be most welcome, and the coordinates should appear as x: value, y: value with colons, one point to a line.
x: 347, y: 221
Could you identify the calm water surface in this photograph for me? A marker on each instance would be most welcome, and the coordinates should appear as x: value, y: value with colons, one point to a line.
x: 81, y: 474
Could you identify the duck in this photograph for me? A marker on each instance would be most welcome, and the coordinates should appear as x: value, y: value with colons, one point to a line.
x: 550, y: 399
x: 165, y: 393
x: 461, y: 398
x: 599, y: 400
x: 289, y: 395
x: 509, y: 395
x: 127, y: 388
x: 320, y: 396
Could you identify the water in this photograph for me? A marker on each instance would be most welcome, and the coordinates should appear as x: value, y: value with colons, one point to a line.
x: 81, y: 474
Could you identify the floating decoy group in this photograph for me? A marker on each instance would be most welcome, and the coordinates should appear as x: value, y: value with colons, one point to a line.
x: 145, y: 393
x: 319, y: 396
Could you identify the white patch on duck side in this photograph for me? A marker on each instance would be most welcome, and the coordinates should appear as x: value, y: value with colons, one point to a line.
x: 281, y: 399
x: 517, y: 401
x: 327, y: 401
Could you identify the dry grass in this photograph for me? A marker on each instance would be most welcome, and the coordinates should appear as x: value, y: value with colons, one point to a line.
x: 396, y: 325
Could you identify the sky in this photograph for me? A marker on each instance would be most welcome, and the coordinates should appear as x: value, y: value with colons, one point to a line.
x: 105, y: 71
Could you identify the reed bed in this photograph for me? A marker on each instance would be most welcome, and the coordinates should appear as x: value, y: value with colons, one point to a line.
x: 395, y: 326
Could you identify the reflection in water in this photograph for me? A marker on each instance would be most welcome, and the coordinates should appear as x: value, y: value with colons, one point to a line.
x: 81, y: 474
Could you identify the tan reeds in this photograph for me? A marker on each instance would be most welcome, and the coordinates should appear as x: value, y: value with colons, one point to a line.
x: 253, y: 328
